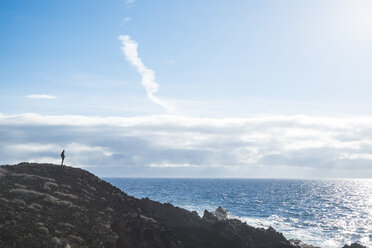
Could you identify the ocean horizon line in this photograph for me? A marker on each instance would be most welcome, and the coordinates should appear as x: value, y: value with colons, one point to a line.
x: 237, y: 178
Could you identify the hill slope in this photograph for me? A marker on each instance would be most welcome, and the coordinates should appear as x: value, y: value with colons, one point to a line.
x: 45, y: 205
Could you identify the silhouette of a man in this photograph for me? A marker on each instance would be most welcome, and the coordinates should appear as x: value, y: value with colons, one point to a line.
x: 63, y: 156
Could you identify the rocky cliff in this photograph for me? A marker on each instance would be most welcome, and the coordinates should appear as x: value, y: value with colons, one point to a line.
x: 45, y: 205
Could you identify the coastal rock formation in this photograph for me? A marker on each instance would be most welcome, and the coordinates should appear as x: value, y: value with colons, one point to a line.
x: 300, y: 244
x: 45, y: 205
x: 220, y: 214
x: 354, y: 245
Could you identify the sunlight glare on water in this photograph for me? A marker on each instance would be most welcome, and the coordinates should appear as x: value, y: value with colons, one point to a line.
x: 325, y: 213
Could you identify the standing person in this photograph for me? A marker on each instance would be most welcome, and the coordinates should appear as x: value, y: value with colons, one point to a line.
x: 63, y: 156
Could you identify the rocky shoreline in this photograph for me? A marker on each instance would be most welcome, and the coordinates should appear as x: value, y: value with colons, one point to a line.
x: 46, y: 205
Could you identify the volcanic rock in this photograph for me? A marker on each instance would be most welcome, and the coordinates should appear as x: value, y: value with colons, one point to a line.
x: 46, y: 205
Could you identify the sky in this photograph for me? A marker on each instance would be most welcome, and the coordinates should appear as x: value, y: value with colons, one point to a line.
x: 134, y: 88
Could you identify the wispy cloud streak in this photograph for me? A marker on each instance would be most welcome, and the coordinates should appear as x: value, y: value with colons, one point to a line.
x: 130, y: 1
x: 125, y: 20
x: 130, y: 51
x: 41, y: 96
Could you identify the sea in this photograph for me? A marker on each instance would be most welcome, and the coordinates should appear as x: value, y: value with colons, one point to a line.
x: 324, y: 213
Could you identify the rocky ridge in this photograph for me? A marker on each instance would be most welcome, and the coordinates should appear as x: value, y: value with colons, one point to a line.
x: 45, y: 205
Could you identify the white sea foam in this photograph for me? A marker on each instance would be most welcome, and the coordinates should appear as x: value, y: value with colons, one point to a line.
x: 312, y: 235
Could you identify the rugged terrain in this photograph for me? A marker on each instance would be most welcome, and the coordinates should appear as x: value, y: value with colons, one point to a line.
x: 45, y: 205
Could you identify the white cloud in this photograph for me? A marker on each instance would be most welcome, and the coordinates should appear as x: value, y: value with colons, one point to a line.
x: 31, y: 147
x: 129, y: 49
x: 171, y: 165
x: 125, y: 20
x: 42, y: 96
x: 357, y: 156
x: 130, y: 1
x: 170, y: 61
x: 80, y: 148
x: 261, y: 146
x: 52, y: 160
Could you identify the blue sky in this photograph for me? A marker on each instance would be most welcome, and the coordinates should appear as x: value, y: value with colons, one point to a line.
x: 288, y: 63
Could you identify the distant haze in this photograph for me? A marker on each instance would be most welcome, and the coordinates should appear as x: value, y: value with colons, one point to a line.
x: 176, y: 146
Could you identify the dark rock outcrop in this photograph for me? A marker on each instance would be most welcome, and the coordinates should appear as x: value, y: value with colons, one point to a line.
x: 45, y: 205
x: 300, y: 244
x: 354, y: 245
x: 219, y: 214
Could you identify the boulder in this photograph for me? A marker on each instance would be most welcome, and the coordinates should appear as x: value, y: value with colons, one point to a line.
x: 354, y: 245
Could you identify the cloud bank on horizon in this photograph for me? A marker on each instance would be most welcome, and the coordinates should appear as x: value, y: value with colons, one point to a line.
x: 176, y: 146
x: 130, y: 50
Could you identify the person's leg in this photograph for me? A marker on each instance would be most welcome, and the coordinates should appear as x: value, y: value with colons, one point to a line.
x: 62, y: 161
